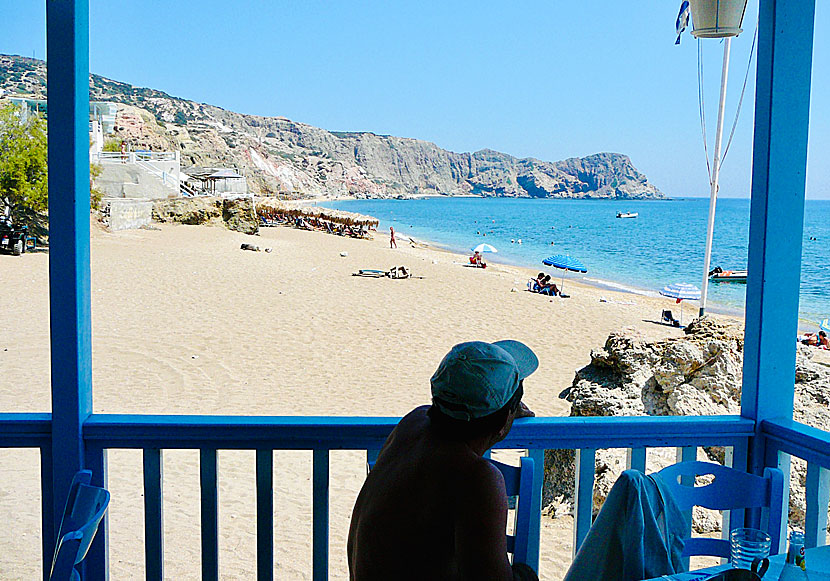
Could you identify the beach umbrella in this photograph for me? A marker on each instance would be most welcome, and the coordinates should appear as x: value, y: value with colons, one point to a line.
x: 484, y: 248
x: 564, y: 263
x: 824, y: 325
x: 681, y: 291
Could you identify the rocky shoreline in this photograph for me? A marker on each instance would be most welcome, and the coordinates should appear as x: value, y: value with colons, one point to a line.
x: 699, y: 373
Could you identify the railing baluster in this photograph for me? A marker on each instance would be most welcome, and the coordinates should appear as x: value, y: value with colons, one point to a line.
x: 47, y: 503
x: 584, y: 469
x: 265, y: 515
x: 320, y: 525
x: 210, y: 509
x: 97, y: 564
x: 818, y: 497
x: 635, y: 459
x: 538, y: 456
x: 153, y: 515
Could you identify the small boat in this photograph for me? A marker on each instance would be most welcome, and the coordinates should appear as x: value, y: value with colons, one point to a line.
x: 627, y: 214
x: 717, y: 274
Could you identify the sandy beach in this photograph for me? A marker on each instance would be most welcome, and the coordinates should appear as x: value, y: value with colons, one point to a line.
x: 184, y: 322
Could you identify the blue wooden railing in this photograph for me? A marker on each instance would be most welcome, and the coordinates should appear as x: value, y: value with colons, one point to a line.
x: 153, y: 434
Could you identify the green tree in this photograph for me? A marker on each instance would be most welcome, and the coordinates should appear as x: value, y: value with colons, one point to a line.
x: 23, y: 170
x: 113, y: 144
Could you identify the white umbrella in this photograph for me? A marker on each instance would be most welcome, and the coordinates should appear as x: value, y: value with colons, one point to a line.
x: 484, y: 248
x: 681, y: 291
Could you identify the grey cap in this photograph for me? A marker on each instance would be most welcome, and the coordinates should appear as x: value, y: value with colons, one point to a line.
x: 476, y: 379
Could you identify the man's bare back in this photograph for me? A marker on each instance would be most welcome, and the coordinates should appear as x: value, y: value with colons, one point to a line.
x: 433, y: 508
x: 419, y: 515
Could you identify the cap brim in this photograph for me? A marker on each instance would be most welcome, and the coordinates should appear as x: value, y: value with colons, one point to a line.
x: 526, y: 360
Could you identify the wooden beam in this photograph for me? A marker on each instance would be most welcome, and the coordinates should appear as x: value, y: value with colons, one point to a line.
x: 67, y: 46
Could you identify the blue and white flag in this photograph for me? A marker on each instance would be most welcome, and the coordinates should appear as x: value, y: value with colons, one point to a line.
x: 682, y: 20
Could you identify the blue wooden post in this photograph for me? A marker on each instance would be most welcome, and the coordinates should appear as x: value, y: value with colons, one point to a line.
x: 68, y: 124
x: 782, y: 106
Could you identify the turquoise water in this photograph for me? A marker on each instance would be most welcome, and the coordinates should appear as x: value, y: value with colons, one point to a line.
x: 663, y: 245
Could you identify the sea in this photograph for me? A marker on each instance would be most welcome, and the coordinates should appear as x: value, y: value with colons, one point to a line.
x: 663, y: 245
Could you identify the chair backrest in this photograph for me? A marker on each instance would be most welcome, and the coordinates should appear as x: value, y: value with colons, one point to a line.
x: 518, y: 481
x: 84, y: 509
x: 730, y: 489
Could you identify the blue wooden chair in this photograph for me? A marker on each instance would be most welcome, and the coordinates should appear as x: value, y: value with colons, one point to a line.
x: 518, y: 481
x: 731, y: 489
x: 84, y: 509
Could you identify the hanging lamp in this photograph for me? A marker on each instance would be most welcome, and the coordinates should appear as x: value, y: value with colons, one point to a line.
x: 717, y: 18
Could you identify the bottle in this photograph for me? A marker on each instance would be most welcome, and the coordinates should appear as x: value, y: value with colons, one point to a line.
x: 796, y: 567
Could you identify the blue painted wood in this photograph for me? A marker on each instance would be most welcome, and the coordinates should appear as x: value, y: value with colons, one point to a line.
x: 153, y: 514
x: 512, y: 485
x: 362, y: 433
x: 524, y: 515
x: 635, y: 459
x: 46, y: 503
x: 25, y: 430
x: 67, y: 48
x: 806, y: 442
x: 782, y: 107
x: 320, y: 516
x: 265, y: 514
x: 538, y: 457
x: 584, y: 470
x: 97, y: 563
x: 729, y: 489
x: 818, y: 497
x: 687, y: 454
x: 210, y: 514
x: 734, y: 457
x: 371, y: 458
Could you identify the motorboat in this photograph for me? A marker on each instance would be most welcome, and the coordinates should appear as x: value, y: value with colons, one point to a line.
x: 627, y: 214
x: 717, y: 274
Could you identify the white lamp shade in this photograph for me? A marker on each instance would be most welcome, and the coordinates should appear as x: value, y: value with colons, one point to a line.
x: 717, y: 18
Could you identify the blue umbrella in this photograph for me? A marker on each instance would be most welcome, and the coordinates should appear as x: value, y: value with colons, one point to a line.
x: 564, y: 263
x: 681, y: 291
x: 824, y: 325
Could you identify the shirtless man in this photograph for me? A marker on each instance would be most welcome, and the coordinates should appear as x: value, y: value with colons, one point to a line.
x: 432, y: 507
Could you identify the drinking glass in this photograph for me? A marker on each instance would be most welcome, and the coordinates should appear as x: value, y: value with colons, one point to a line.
x: 748, y: 545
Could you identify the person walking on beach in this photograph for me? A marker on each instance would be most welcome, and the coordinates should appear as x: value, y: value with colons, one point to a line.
x: 433, y: 507
x: 392, y: 243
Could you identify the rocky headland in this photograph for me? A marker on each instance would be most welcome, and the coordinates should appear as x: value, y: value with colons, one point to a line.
x: 696, y: 374
x: 281, y: 156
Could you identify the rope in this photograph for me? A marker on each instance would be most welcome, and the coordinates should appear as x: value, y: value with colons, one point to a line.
x: 702, y: 107
x: 741, y: 101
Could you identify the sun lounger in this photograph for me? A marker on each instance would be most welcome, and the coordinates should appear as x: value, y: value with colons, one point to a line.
x: 372, y: 273
x: 668, y: 318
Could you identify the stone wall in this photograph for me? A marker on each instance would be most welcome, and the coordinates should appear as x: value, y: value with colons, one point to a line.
x: 129, y: 214
x: 128, y: 180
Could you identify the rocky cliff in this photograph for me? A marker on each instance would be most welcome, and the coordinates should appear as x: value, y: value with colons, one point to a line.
x: 283, y: 156
x: 697, y: 374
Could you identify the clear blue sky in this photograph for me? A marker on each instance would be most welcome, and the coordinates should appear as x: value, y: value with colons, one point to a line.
x: 534, y: 78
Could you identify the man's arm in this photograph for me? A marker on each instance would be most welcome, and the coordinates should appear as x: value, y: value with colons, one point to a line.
x: 480, y: 525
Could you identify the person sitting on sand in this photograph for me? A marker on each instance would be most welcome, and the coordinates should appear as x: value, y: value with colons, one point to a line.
x: 476, y: 260
x: 537, y: 282
x: 819, y: 340
x: 432, y: 507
